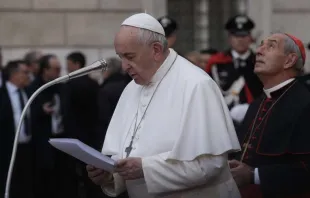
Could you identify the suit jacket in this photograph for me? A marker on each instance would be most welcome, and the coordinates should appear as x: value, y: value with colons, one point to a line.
x: 7, y: 135
x: 108, y: 96
x: 2, y: 78
x: 7, y: 131
x: 79, y: 102
x: 42, y: 127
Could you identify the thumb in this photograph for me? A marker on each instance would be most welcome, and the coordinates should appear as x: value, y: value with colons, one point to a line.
x: 121, y: 162
x: 234, y: 163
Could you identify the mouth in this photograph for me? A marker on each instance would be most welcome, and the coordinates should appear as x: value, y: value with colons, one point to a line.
x: 132, y: 75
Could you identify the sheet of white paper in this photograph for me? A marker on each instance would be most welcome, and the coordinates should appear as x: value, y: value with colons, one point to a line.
x: 84, y: 153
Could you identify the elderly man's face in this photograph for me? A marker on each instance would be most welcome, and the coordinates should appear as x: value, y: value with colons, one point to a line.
x: 137, y: 59
x: 271, y: 58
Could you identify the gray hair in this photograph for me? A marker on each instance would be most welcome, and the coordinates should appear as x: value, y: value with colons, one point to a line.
x: 31, y: 57
x: 115, y: 65
x: 291, y: 47
x: 148, y: 37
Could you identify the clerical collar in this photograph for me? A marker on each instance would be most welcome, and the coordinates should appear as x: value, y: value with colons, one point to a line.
x: 243, y: 56
x: 269, y: 91
x: 163, y: 69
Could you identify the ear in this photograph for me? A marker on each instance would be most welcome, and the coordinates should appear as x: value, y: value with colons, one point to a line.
x: 290, y: 61
x: 157, y: 50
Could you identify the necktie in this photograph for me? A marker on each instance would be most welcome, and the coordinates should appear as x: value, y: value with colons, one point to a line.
x: 239, y: 63
x: 26, y: 119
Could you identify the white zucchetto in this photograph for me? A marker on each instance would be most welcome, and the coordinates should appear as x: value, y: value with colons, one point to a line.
x: 144, y: 21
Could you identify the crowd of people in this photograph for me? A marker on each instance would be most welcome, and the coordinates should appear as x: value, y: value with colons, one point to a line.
x: 221, y: 124
x: 81, y: 108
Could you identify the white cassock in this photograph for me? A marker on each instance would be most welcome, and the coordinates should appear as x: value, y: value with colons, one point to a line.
x: 183, y: 138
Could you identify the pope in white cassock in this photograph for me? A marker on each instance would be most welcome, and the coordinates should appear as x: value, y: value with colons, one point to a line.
x: 171, y: 131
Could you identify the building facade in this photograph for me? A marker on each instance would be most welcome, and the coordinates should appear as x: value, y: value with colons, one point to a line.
x: 282, y: 15
x: 61, y: 26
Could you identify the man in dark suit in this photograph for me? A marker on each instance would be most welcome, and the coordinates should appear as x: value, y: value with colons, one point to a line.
x: 47, y: 118
x: 80, y: 109
x: 80, y: 115
x: 115, y: 81
x: 13, y: 99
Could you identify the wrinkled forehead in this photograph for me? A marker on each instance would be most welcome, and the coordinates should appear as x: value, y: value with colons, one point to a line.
x: 126, y: 34
x: 126, y: 40
x: 277, y: 38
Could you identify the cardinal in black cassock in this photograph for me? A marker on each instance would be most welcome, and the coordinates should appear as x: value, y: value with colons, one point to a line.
x: 275, y: 135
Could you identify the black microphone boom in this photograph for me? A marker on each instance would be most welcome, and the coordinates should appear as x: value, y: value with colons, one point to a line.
x: 98, y: 65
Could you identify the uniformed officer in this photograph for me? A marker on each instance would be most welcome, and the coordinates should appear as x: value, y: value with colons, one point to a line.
x: 233, y: 69
x: 170, y: 26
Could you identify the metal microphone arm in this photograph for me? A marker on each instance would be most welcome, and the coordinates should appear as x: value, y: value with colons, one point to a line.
x: 101, y: 64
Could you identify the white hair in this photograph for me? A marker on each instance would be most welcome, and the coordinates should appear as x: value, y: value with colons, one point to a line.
x: 148, y: 37
x: 291, y: 47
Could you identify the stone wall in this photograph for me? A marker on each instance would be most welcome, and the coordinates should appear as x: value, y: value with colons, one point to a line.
x: 61, y: 26
x: 284, y: 15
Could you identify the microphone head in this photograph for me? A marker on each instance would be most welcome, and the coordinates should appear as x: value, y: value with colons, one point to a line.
x: 103, y: 63
x: 98, y: 65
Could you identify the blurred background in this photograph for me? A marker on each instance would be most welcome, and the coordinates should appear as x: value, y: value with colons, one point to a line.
x: 61, y: 26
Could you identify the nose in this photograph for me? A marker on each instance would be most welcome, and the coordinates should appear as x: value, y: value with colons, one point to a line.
x: 260, y: 50
x: 125, y: 65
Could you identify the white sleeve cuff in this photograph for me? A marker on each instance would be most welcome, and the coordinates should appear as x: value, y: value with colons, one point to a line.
x: 256, y: 176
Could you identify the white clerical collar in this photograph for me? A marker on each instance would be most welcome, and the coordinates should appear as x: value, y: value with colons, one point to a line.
x: 11, y: 87
x: 277, y: 87
x: 241, y: 56
x: 163, y: 69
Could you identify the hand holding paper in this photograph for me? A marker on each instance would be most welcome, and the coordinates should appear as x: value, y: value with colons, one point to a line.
x: 84, y: 153
x: 99, y: 176
x: 130, y: 168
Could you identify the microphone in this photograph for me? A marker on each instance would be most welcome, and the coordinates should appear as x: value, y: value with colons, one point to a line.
x: 98, y: 65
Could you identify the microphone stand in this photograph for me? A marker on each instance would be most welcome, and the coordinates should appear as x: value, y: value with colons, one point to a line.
x: 101, y: 64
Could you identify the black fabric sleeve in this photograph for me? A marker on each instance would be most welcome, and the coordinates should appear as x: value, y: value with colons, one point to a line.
x: 286, y: 179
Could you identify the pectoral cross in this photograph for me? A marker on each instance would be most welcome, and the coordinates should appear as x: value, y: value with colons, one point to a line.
x: 129, y: 148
